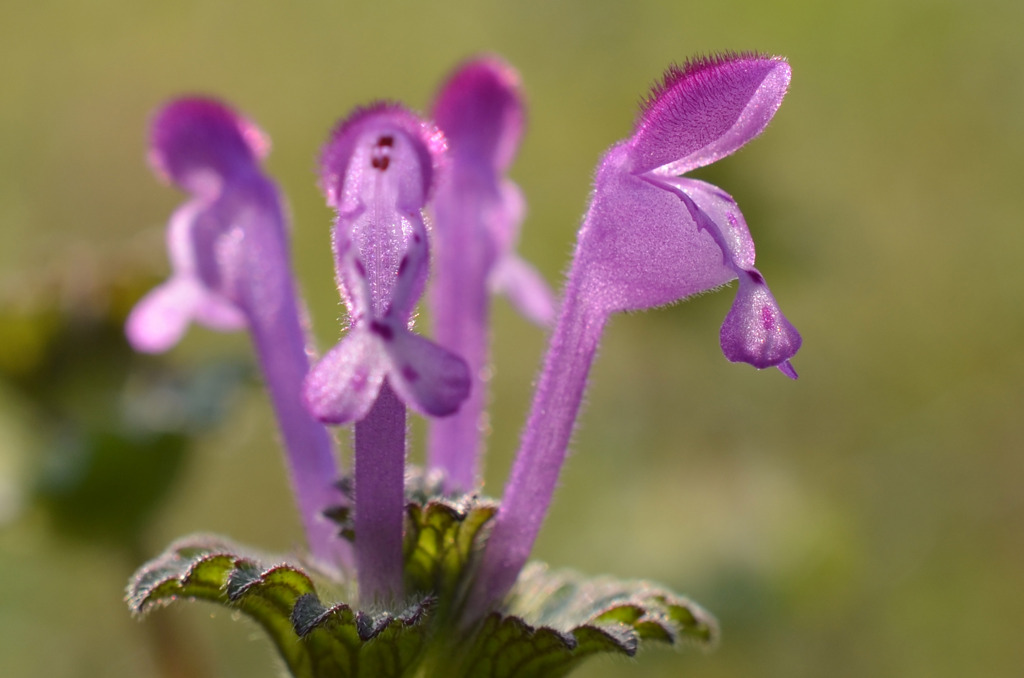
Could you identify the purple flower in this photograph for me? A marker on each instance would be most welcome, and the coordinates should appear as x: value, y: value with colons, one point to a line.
x: 477, y: 212
x: 231, y: 270
x: 377, y: 171
x: 649, y: 238
x: 211, y: 152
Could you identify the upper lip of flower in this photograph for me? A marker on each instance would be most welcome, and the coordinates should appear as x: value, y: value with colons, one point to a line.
x: 707, y: 109
x: 199, y: 134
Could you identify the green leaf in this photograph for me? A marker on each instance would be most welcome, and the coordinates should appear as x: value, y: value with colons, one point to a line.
x: 553, y: 621
x: 440, y: 539
x: 314, y: 641
x: 441, y: 534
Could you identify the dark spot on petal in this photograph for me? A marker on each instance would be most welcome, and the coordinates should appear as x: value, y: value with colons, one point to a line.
x: 768, y: 318
x: 409, y: 373
x: 360, y: 268
x: 380, y: 156
x: 731, y: 218
x: 403, y: 264
x: 756, y: 277
x: 416, y: 238
x: 382, y: 330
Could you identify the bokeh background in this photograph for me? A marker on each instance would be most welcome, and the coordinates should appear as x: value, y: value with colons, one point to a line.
x: 867, y: 520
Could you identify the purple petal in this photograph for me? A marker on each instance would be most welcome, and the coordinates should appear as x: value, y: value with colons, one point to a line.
x: 218, y: 238
x: 197, y: 134
x: 376, y: 171
x: 428, y: 378
x: 639, y: 247
x: 180, y: 243
x: 343, y: 386
x: 481, y: 112
x: 714, y: 211
x: 706, y: 110
x: 358, y: 146
x: 219, y: 314
x: 755, y: 331
x: 159, y: 320
x: 511, y: 275
x: 197, y: 256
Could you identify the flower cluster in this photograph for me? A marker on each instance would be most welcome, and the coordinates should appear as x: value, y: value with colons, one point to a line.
x: 414, y: 196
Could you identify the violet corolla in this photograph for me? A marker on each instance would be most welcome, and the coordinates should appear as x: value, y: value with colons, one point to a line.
x: 230, y: 257
x: 477, y: 212
x: 649, y: 238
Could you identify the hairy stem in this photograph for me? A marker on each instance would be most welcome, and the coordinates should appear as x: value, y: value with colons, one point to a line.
x: 380, y: 498
x: 543, y: 448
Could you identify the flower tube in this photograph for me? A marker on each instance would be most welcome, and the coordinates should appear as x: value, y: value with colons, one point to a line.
x: 476, y: 221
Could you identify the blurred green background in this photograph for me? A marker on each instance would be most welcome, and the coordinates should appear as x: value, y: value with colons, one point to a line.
x: 867, y: 520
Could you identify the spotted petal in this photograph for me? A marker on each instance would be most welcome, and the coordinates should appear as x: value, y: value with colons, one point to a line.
x: 344, y: 384
x: 755, y: 331
x: 428, y: 378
